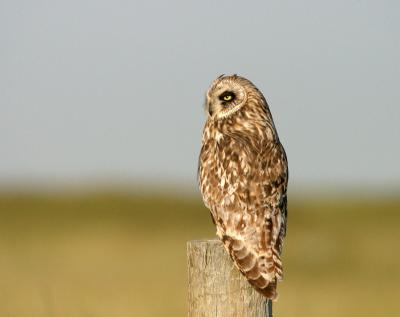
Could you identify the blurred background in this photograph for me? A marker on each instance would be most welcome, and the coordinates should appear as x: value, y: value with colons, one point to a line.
x: 101, y: 112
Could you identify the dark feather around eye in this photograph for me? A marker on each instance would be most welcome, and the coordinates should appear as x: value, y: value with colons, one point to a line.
x: 227, y: 94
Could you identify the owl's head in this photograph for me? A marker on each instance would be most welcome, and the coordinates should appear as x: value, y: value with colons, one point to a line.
x: 228, y: 94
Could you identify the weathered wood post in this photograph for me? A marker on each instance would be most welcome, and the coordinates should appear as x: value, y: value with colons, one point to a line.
x: 216, y: 288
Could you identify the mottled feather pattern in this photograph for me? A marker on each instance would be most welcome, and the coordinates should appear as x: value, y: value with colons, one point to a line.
x: 243, y: 178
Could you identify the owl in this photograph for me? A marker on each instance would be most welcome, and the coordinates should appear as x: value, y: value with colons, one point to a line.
x: 243, y: 175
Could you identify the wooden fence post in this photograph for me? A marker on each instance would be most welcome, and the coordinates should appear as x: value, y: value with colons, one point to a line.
x: 216, y: 288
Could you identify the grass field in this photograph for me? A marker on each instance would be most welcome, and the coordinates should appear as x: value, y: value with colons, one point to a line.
x: 115, y: 254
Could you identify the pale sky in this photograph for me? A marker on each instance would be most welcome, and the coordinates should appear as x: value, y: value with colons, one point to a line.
x: 115, y: 89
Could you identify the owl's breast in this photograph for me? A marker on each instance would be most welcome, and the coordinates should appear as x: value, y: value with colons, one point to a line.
x: 225, y: 169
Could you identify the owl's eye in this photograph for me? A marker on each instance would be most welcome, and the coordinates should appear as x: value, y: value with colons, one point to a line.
x: 227, y: 96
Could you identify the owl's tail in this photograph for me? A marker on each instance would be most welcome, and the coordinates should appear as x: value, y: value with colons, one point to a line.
x: 261, y: 270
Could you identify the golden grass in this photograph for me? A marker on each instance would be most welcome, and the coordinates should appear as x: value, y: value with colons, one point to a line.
x: 111, y: 254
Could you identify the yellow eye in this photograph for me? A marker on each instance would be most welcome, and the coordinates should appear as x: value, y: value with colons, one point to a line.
x: 227, y: 96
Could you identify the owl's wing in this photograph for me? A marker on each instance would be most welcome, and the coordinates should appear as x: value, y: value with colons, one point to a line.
x: 275, y: 187
x: 255, y: 240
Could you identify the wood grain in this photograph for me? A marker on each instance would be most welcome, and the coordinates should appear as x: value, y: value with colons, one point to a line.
x: 216, y: 288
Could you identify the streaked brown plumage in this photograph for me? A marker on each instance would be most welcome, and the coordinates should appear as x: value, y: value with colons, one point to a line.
x: 243, y: 178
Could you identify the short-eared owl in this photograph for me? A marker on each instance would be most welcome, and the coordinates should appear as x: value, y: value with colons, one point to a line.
x: 243, y: 176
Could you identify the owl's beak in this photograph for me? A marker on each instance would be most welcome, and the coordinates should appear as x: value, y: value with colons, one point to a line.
x: 210, y: 109
x: 207, y: 106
